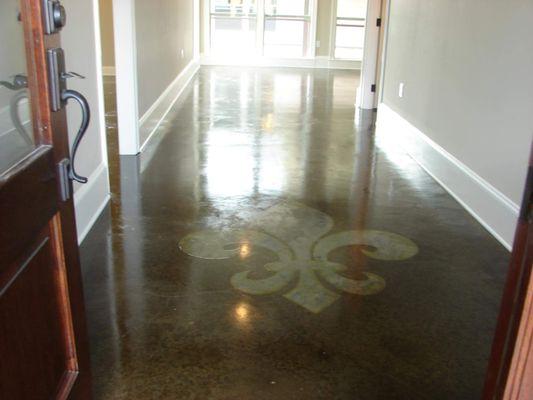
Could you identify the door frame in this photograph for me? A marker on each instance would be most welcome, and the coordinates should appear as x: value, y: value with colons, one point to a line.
x: 367, y: 93
x: 512, y: 351
x: 126, y: 76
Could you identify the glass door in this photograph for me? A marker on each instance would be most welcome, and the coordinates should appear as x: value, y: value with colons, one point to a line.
x: 16, y: 130
x: 350, y: 29
x: 271, y: 28
x: 233, y: 27
x: 287, y: 30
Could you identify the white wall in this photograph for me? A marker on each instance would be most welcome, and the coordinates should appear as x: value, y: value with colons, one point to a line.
x: 81, y: 41
x: 467, y: 67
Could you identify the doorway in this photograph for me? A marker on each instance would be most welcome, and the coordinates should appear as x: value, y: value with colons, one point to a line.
x: 109, y: 90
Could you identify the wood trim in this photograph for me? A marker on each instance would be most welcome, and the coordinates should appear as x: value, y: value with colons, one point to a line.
x: 66, y: 385
x: 520, y: 383
x: 506, y: 345
x: 63, y: 294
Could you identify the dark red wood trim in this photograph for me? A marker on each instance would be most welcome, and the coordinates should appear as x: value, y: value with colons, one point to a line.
x: 513, y: 300
x: 66, y: 384
x: 520, y: 383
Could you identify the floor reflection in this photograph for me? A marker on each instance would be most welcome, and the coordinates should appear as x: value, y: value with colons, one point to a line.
x: 267, y: 245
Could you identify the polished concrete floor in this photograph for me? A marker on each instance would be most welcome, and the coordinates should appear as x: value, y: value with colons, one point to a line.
x: 270, y: 246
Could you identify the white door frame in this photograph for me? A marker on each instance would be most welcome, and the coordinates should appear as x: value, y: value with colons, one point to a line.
x: 366, y: 93
x: 385, y: 17
x: 126, y: 76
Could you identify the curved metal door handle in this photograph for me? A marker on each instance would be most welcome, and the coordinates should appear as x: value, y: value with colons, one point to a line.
x: 20, y: 81
x: 66, y: 95
x: 15, y: 116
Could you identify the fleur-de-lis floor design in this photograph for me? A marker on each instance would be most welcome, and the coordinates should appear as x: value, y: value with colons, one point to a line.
x: 296, y: 234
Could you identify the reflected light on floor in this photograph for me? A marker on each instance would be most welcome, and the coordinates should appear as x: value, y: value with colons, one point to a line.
x: 268, y: 122
x: 244, y: 250
x: 242, y: 312
x: 229, y: 170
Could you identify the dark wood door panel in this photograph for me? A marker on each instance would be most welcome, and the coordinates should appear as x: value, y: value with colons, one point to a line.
x: 38, y: 351
x: 28, y: 200
x: 43, y: 338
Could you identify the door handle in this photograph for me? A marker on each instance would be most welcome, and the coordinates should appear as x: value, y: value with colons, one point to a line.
x: 14, y: 104
x: 19, y: 85
x: 20, y: 81
x: 67, y: 95
x: 60, y: 95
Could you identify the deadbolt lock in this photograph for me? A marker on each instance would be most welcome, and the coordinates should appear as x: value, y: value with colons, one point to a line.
x: 55, y: 16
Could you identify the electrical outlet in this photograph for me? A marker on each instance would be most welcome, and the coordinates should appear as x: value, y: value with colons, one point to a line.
x: 182, y: 53
x: 401, y: 89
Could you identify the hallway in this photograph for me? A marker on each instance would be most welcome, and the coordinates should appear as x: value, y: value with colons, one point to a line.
x: 272, y: 247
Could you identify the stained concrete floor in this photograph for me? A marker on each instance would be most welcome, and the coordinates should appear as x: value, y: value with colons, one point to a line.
x: 270, y: 246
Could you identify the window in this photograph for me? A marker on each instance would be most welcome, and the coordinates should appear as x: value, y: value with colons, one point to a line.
x: 233, y: 26
x: 273, y: 28
x: 350, y: 29
x: 287, y: 28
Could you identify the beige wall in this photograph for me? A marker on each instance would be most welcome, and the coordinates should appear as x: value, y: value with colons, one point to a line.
x: 78, y: 40
x: 106, y: 32
x: 323, y: 28
x: 467, y: 65
x: 163, y: 28
x: 83, y: 56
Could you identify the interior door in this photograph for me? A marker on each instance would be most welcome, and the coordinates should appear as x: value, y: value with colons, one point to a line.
x: 43, y: 341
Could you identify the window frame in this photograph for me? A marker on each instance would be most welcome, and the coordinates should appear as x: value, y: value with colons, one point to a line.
x: 333, y: 31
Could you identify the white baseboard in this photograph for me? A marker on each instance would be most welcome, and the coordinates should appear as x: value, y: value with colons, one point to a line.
x: 109, y: 71
x: 152, y: 118
x: 316, y: 62
x: 497, y: 213
x: 326, y: 62
x: 90, y: 200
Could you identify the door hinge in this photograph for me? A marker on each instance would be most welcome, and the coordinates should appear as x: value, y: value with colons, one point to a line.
x: 373, y: 88
x: 63, y: 179
x: 378, y: 22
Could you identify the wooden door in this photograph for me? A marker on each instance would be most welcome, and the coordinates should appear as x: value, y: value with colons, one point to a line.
x: 43, y: 341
